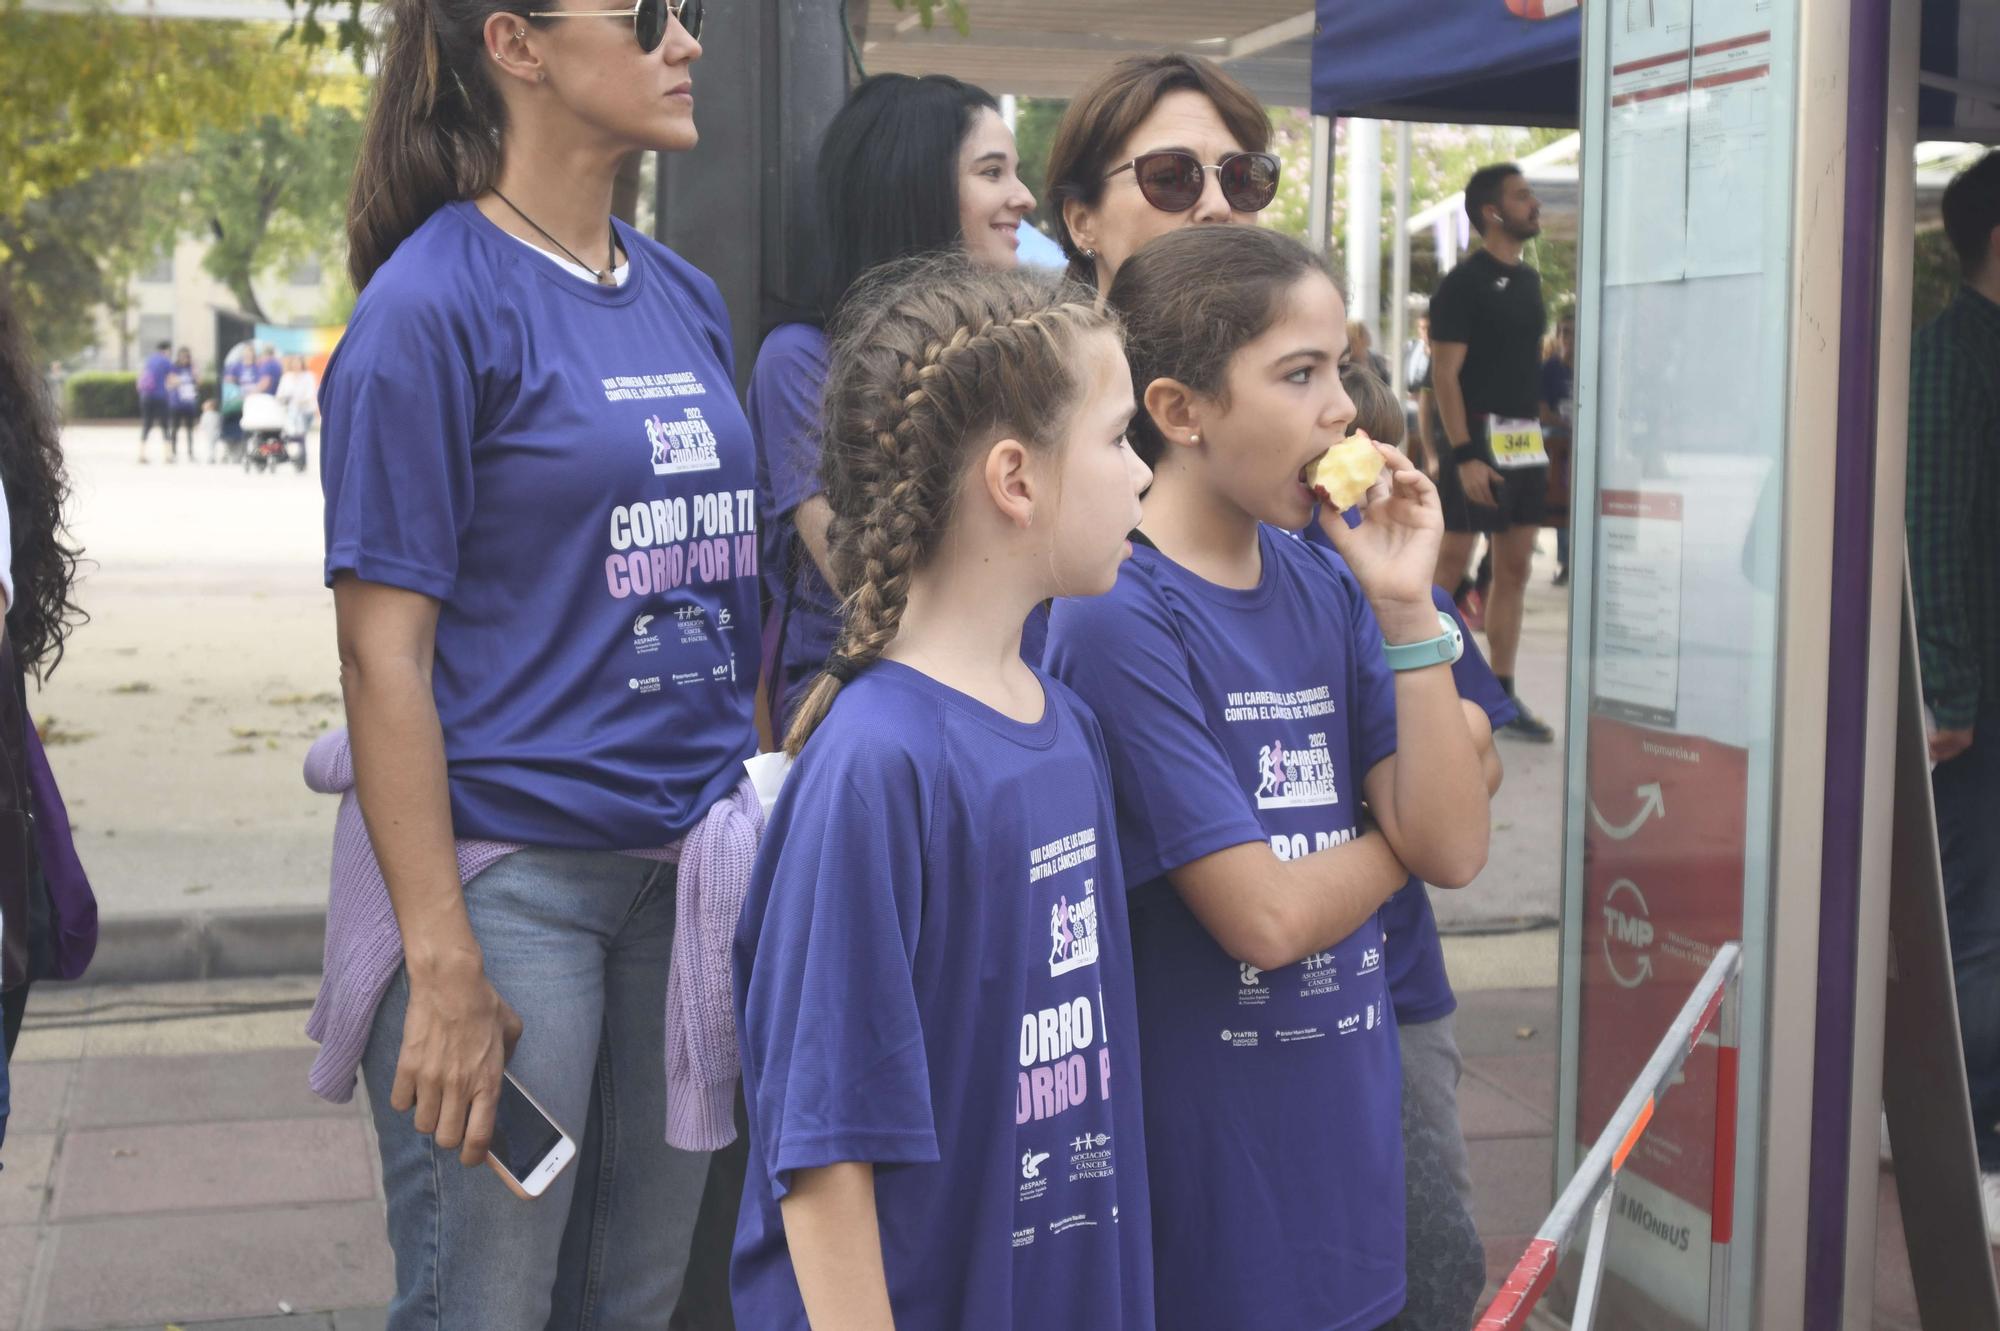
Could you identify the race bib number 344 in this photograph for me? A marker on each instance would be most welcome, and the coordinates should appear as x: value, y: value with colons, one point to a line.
x: 1516, y: 443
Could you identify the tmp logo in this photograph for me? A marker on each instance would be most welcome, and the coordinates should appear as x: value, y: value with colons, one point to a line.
x: 1628, y: 934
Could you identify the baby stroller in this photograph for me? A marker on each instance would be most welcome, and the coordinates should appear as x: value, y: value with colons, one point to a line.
x: 265, y: 446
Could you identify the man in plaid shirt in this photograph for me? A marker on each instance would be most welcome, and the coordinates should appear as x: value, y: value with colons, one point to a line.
x: 1953, y: 515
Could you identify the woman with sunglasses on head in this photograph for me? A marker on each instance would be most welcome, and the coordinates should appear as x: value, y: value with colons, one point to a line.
x: 1157, y: 144
x: 909, y: 166
x: 542, y: 550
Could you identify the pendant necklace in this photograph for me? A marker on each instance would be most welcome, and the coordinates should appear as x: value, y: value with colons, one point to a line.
x: 606, y: 277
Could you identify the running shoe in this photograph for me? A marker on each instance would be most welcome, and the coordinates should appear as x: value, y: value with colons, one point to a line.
x: 1527, y: 726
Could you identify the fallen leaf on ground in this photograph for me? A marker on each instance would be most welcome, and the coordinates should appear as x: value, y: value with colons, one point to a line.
x: 136, y: 686
x: 194, y: 888
x: 52, y: 733
x: 321, y: 699
x: 239, y: 748
x: 248, y: 732
x: 1524, y: 1033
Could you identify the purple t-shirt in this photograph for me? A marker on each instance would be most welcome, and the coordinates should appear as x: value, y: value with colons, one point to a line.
x: 153, y: 378
x: 1418, y: 984
x: 934, y: 976
x: 783, y: 406
x: 565, y: 469
x: 1273, y: 1100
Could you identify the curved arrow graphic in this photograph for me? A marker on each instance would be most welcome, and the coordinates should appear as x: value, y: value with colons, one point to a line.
x: 1653, y: 801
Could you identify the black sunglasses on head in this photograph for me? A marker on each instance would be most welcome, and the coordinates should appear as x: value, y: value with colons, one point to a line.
x: 1172, y: 179
x: 649, y: 18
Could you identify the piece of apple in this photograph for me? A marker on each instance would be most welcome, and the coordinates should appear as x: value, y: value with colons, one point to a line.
x: 1342, y: 474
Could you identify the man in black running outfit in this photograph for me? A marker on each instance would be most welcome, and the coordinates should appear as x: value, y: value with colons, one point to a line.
x: 1487, y: 324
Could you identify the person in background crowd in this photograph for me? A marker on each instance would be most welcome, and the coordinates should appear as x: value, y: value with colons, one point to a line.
x: 298, y: 393
x: 1361, y: 350
x: 1254, y: 692
x: 1156, y: 144
x: 270, y: 369
x: 549, y: 711
x: 1442, y: 1252
x: 240, y: 376
x: 37, y: 580
x: 57, y: 377
x: 940, y: 867
x: 154, y: 398
x: 1558, y: 426
x: 1952, y: 511
x: 909, y: 166
x: 1417, y: 384
x: 183, y: 402
x: 1493, y: 472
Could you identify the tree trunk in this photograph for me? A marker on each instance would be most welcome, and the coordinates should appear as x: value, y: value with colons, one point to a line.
x: 625, y: 190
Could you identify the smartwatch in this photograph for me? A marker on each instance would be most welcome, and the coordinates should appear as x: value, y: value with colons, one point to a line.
x: 1445, y: 649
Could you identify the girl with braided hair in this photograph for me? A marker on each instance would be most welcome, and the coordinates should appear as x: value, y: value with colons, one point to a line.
x: 933, y: 977
x: 1279, y: 1186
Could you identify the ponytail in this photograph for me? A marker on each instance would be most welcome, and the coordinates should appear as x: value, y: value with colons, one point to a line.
x: 432, y: 134
x: 933, y: 359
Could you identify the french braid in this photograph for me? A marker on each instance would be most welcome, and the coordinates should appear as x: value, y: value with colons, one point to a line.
x: 932, y: 359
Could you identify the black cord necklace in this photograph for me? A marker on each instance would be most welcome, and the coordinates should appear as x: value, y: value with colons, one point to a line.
x: 607, y: 276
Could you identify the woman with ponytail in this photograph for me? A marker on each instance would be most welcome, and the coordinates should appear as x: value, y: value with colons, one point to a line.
x: 541, y: 540
x: 933, y: 977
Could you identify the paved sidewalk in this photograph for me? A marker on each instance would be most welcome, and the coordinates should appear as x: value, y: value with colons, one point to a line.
x: 166, y: 1166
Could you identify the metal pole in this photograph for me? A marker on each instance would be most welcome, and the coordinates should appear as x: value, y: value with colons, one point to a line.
x: 1319, y: 206
x: 1399, y: 269
x: 1364, y: 224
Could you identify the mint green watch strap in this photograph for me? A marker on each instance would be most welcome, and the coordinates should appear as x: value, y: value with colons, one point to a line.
x: 1445, y: 649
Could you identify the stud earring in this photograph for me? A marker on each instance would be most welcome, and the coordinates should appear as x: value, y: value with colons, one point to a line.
x: 1194, y: 438
x: 1090, y: 254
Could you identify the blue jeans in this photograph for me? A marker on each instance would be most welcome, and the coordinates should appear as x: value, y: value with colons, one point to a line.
x: 578, y: 942
x: 1967, y: 792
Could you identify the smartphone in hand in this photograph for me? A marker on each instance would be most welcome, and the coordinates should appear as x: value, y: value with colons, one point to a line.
x: 529, y: 1148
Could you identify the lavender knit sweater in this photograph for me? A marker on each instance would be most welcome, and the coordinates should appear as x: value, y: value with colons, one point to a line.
x: 364, y: 949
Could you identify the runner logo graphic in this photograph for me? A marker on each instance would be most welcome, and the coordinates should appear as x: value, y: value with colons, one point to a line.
x: 683, y: 445
x: 1296, y: 778
x: 1073, y: 931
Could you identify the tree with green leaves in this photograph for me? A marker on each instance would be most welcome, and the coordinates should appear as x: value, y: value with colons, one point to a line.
x: 82, y: 94
x: 268, y: 195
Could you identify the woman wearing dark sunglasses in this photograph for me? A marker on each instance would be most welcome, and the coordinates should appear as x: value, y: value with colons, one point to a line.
x: 1158, y: 143
x: 537, y: 480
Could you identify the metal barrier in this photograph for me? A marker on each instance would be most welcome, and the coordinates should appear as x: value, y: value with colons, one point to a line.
x: 1712, y: 1004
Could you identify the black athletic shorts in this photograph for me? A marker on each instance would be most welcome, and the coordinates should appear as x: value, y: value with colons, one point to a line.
x: 1522, y: 492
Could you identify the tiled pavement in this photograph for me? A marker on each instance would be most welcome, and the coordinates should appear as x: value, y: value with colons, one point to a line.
x: 154, y: 1179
